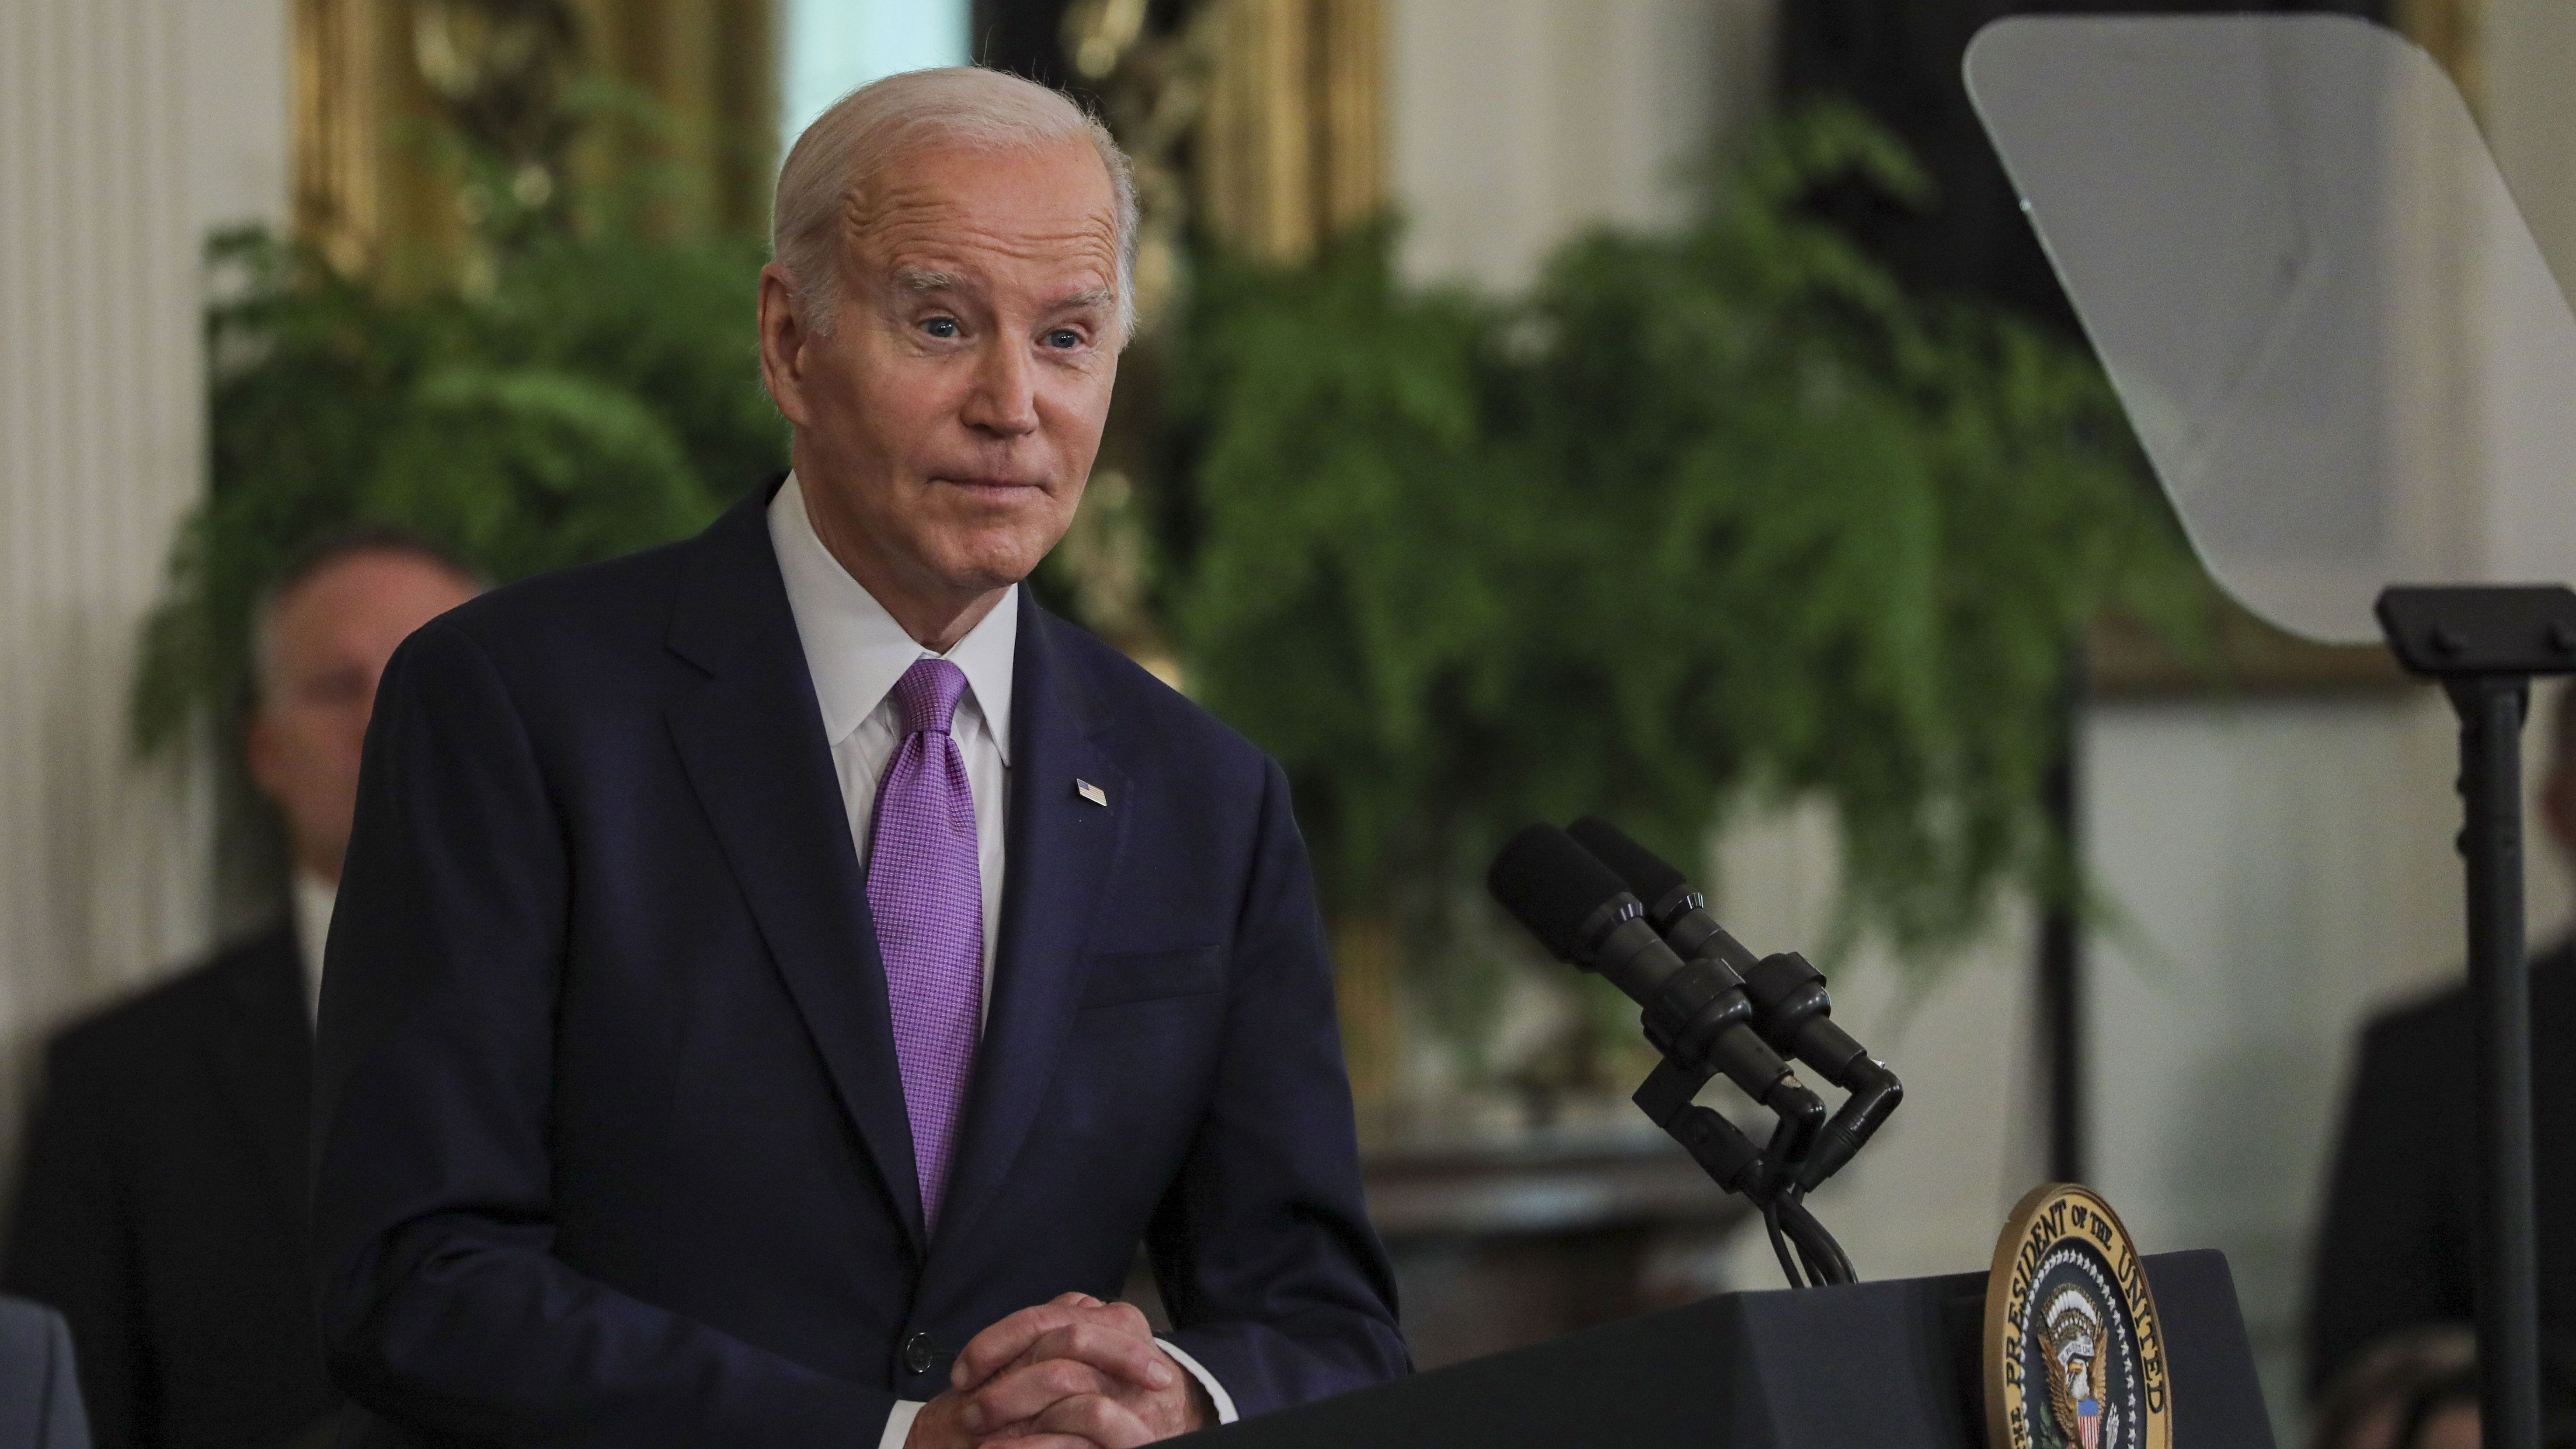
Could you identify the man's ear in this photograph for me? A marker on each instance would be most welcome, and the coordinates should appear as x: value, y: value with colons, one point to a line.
x: 2558, y: 805
x: 783, y: 340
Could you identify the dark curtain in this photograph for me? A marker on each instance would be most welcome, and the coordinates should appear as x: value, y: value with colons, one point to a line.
x: 1025, y: 37
x: 1021, y: 36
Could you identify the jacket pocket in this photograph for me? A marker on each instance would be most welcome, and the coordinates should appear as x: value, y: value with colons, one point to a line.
x: 1114, y: 978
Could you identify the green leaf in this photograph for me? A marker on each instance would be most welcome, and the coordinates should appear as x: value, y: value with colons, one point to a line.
x: 1702, y: 512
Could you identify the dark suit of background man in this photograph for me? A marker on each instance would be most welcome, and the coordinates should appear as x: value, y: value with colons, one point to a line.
x: 161, y: 1203
x: 2395, y: 1250
x: 780, y: 978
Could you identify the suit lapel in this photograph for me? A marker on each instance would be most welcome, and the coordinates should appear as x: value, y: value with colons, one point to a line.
x: 751, y: 740
x: 262, y: 1061
x: 1061, y: 849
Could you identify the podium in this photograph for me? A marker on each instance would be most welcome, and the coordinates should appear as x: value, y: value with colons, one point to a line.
x: 1893, y: 1365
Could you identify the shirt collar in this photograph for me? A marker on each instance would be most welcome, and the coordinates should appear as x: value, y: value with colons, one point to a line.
x: 312, y: 898
x: 855, y: 650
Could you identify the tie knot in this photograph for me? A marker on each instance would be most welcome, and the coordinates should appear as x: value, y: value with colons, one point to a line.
x: 928, y: 694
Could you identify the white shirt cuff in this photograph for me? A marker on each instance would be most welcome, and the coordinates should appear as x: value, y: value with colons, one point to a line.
x: 899, y: 1424
x: 1217, y: 1395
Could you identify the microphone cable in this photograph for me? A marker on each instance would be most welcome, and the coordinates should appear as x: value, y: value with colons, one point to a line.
x: 1780, y: 1246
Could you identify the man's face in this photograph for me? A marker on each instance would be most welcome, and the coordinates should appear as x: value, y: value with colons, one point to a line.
x: 945, y: 426
x: 327, y: 648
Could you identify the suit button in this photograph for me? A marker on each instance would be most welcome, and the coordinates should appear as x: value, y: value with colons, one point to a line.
x: 918, y: 1355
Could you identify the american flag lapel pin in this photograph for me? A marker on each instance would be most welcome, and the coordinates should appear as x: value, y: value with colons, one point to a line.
x: 1091, y: 792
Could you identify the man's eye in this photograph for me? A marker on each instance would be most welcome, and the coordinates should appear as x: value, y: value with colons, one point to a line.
x: 1064, y: 337
x: 940, y: 326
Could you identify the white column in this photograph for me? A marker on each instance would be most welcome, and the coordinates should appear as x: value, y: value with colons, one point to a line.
x: 127, y: 127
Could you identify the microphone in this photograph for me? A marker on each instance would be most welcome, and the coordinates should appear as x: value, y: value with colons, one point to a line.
x: 1795, y: 1013
x: 1695, y: 1012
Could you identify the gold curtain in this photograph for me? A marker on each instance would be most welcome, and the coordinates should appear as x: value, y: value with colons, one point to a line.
x: 355, y: 92
x: 712, y: 67
x: 368, y: 189
x: 1291, y: 147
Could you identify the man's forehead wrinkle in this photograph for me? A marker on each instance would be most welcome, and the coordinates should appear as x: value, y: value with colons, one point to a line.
x: 898, y: 221
x: 921, y: 260
x: 929, y: 229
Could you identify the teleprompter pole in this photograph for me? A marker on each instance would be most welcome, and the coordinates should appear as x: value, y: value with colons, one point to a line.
x: 2061, y: 943
x: 2491, y: 709
x: 2485, y: 643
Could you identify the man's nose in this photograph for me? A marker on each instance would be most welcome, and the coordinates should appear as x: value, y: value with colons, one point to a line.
x: 1004, y: 399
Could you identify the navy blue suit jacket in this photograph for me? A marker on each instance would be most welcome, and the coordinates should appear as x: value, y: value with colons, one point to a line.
x: 610, y: 1141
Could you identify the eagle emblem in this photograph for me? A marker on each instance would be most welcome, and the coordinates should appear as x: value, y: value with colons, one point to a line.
x: 2074, y: 1388
x: 2074, y: 1353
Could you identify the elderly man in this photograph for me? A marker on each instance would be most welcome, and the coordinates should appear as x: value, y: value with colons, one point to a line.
x: 782, y: 977
x: 2394, y: 1252
x: 162, y: 1203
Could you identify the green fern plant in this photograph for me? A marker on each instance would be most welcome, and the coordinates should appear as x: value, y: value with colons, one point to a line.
x: 596, y: 394
x: 1718, y: 509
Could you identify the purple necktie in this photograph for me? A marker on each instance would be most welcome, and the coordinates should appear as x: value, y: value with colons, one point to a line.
x: 926, y: 889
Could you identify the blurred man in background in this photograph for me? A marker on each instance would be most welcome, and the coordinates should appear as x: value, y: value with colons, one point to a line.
x: 2409, y: 1390
x: 2395, y: 1252
x: 162, y: 1204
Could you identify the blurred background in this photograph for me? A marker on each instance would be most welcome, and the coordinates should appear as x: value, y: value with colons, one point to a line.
x: 1655, y: 408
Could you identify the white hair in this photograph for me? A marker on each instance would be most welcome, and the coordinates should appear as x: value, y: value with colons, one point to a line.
x: 880, y: 122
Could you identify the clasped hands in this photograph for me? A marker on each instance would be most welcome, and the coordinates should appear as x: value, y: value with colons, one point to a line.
x: 1075, y: 1373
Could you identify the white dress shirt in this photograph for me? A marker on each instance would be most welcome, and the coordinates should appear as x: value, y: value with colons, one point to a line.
x: 312, y: 899
x: 855, y: 652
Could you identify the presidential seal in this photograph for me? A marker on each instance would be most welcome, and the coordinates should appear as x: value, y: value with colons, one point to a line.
x: 2074, y: 1356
